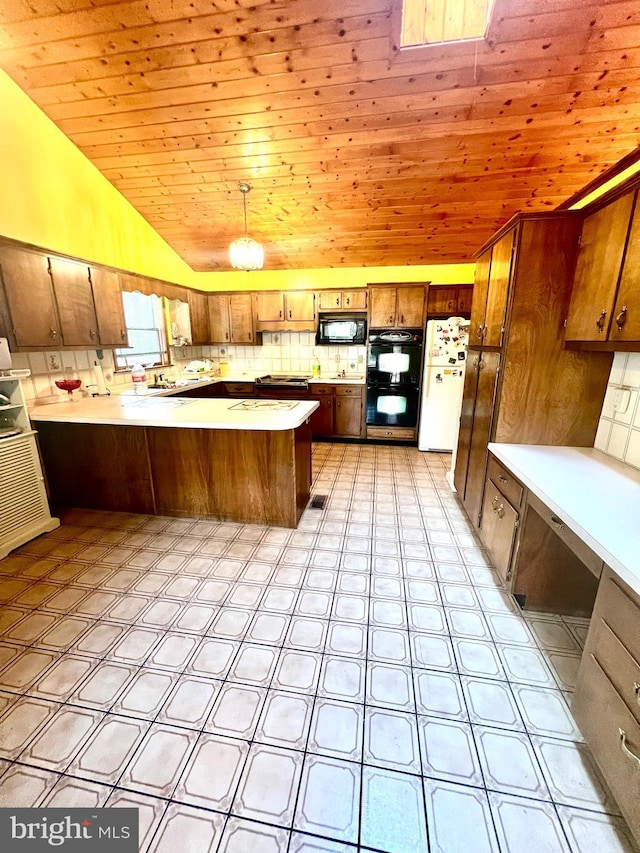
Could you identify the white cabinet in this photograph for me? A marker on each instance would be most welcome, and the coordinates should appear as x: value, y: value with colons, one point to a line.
x: 24, y: 509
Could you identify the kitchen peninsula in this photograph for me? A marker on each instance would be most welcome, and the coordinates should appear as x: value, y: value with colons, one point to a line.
x: 235, y: 460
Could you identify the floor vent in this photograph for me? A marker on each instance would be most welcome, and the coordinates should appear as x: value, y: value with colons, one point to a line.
x: 318, y: 501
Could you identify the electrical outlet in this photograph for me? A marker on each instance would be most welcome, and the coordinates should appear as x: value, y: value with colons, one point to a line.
x: 54, y: 364
x: 108, y: 376
x: 337, y: 358
x: 621, y: 398
x: 360, y: 359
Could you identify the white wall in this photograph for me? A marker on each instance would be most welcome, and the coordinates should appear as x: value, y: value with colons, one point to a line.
x: 619, y: 428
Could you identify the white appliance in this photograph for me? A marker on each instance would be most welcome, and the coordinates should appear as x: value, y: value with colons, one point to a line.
x: 442, y: 383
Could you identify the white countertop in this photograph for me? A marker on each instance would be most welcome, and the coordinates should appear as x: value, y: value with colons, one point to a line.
x: 595, y: 495
x: 166, y: 411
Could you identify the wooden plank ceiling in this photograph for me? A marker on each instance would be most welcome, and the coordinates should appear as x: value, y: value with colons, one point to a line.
x: 358, y: 154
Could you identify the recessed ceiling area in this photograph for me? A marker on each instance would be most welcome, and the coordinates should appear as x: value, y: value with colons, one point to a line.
x: 358, y: 153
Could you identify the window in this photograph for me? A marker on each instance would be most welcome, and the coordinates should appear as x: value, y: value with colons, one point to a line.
x: 437, y: 21
x: 144, y: 319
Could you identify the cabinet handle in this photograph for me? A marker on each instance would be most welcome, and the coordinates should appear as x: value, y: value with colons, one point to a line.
x: 290, y: 315
x: 495, y: 502
x: 558, y: 522
x: 621, y: 319
x: 391, y: 319
x: 479, y: 332
x: 500, y: 511
x: 280, y: 314
x: 625, y: 749
x: 348, y: 301
x: 123, y: 334
x: 92, y: 334
x: 249, y: 336
x: 481, y: 365
x: 337, y: 301
x: 53, y: 333
x: 503, y: 479
x: 600, y: 321
x: 636, y: 690
x: 226, y: 336
x: 475, y: 361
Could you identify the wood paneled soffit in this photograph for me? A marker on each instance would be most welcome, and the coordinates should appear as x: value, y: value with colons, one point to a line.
x: 357, y: 154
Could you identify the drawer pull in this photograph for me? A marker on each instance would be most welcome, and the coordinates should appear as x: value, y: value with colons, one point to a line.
x: 503, y: 479
x: 621, y: 319
x: 625, y: 749
x: 558, y: 522
x: 600, y: 321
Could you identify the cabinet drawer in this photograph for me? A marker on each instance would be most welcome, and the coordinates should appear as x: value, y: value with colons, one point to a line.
x: 620, y: 612
x: 613, y: 736
x: 348, y: 391
x: 239, y: 388
x: 320, y: 390
x: 505, y: 482
x: 398, y: 433
x: 622, y: 670
x: 573, y: 542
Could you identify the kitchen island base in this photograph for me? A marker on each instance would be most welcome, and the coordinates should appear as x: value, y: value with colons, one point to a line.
x: 249, y: 476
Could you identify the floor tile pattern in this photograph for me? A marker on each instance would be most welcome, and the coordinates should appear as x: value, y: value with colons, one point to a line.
x: 360, y: 683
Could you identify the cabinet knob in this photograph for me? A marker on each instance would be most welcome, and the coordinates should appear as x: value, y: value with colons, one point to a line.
x: 600, y: 321
x: 621, y: 319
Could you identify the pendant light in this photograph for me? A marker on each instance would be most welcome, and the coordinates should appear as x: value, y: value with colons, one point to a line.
x: 245, y: 253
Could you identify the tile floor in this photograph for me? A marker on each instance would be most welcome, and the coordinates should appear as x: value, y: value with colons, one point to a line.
x: 360, y: 683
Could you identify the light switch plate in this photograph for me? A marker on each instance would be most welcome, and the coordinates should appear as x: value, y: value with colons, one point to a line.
x: 621, y: 398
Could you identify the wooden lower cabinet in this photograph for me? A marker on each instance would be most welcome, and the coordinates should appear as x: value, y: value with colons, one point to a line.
x: 606, y: 702
x: 323, y: 419
x: 349, y: 411
x: 498, y: 529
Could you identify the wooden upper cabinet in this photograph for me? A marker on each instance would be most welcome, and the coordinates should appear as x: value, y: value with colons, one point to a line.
x: 241, y: 318
x: 300, y: 306
x: 199, y: 314
x: 625, y: 318
x: 34, y: 319
x: 107, y: 298
x: 410, y: 307
x: 269, y: 306
x: 382, y: 307
x: 602, y: 246
x: 465, y: 297
x: 479, y: 301
x: 442, y: 300
x: 498, y: 290
x: 74, y: 297
x: 219, y: 320
x: 342, y: 300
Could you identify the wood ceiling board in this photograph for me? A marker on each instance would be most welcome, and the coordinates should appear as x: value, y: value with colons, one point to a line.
x: 356, y: 156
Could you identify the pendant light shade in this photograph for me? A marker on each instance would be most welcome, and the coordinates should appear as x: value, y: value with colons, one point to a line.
x: 245, y: 253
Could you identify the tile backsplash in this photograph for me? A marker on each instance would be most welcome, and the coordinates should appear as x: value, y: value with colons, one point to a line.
x: 619, y: 428
x: 280, y: 352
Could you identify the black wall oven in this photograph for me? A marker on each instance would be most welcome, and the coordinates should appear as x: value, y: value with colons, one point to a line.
x: 394, y: 370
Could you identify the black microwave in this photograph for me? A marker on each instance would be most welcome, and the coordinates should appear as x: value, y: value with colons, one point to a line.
x: 342, y: 329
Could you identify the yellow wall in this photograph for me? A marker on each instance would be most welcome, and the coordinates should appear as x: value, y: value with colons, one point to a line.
x: 53, y: 197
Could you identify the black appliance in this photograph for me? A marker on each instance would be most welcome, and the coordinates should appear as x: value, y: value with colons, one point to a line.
x: 394, y: 371
x: 342, y: 329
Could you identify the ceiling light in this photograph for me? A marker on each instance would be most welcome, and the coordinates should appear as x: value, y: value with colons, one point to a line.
x: 245, y: 253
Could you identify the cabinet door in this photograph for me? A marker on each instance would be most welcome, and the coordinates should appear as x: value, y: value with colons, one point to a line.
x: 481, y: 434
x: 354, y: 300
x: 464, y: 297
x: 300, y: 306
x: 625, y: 320
x: 72, y: 288
x: 269, y: 307
x: 442, y: 300
x: 107, y: 298
x: 382, y: 307
x: 27, y: 283
x: 199, y: 313
x: 498, y: 528
x: 322, y: 418
x: 499, y: 277
x: 329, y: 300
x: 479, y: 301
x: 604, y: 235
x: 219, y: 323
x: 241, y: 318
x: 349, y: 411
x: 466, y: 422
x: 410, y: 307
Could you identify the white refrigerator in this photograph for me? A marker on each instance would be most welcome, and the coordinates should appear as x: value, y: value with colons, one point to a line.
x: 442, y: 383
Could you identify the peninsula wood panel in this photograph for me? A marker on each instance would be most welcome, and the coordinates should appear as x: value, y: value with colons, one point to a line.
x: 254, y: 476
x: 359, y: 154
x: 97, y: 466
